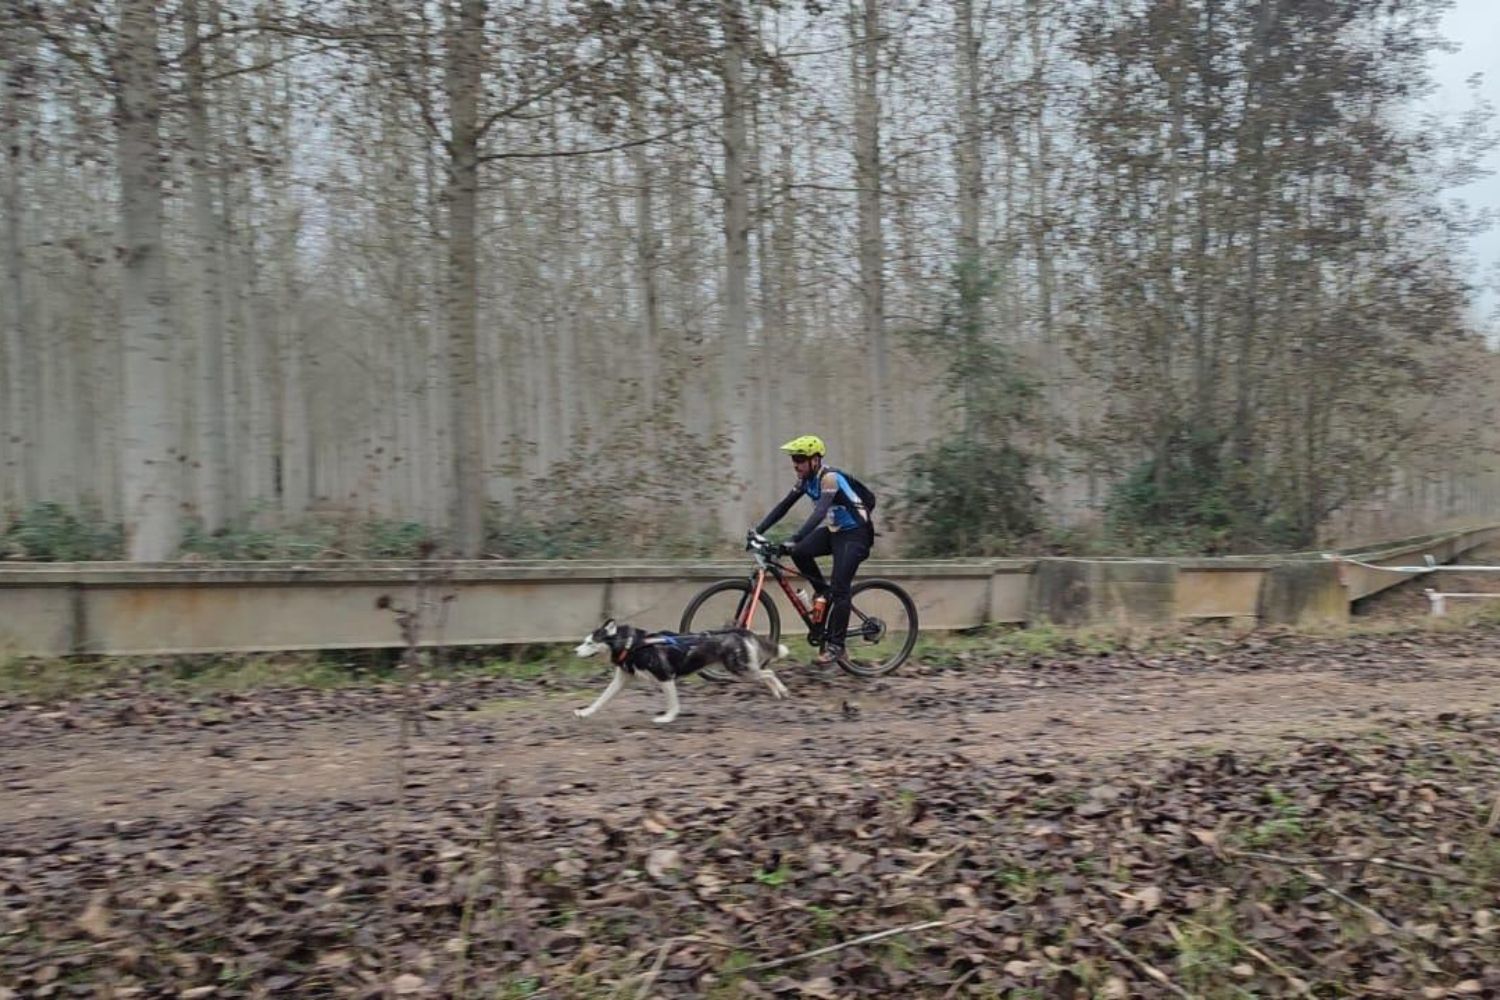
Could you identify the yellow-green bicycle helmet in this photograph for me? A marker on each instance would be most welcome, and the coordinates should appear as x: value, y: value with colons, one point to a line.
x: 807, y: 444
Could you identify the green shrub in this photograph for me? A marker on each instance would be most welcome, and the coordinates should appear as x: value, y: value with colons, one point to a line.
x: 1194, y: 499
x: 49, y: 532
x: 257, y: 536
x: 970, y: 494
x: 967, y: 498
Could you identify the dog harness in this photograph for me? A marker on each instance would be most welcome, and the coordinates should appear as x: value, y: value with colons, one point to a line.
x: 657, y: 639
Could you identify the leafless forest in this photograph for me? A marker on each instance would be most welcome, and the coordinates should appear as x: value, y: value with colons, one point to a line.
x: 523, y: 270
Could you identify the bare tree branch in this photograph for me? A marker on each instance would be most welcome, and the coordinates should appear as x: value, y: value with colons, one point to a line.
x: 267, y: 64
x: 79, y: 59
x: 541, y: 154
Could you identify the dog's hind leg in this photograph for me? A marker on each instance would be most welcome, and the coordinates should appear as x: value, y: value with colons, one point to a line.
x: 668, y: 688
x: 777, y: 686
x: 763, y: 672
x: 615, y: 684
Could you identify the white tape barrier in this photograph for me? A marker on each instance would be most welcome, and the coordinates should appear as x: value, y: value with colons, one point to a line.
x: 1430, y: 566
x: 1439, y: 601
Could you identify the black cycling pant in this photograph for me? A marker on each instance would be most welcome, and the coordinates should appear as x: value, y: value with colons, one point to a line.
x: 849, y: 549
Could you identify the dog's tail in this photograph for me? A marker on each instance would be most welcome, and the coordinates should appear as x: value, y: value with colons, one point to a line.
x: 781, y: 651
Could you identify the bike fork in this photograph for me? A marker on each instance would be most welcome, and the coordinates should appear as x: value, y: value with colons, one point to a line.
x: 747, y: 616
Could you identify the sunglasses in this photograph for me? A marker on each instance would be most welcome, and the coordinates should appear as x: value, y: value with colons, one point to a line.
x: 798, y: 459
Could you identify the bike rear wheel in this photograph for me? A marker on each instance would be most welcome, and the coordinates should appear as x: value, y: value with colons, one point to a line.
x: 882, y: 629
x: 723, y: 606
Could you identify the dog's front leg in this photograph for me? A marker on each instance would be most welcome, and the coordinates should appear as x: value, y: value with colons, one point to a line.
x: 778, y: 689
x: 668, y: 688
x: 615, y: 684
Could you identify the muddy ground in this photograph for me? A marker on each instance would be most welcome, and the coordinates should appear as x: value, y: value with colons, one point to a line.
x: 1058, y: 824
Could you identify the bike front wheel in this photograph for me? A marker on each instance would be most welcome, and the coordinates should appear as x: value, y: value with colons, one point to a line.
x: 723, y: 606
x: 882, y: 629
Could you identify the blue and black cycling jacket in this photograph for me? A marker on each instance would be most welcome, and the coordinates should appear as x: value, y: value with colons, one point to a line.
x: 834, y: 501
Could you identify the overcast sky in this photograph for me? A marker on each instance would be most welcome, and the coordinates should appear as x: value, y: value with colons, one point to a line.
x: 1475, y: 26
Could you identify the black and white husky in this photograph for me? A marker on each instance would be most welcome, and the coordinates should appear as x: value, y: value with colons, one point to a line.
x: 667, y: 656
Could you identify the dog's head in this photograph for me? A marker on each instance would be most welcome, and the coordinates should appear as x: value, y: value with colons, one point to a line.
x: 601, y: 640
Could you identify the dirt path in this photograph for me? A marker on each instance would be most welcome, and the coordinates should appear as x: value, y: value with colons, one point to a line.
x: 60, y: 766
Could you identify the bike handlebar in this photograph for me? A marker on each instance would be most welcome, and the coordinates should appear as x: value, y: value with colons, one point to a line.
x: 761, y: 547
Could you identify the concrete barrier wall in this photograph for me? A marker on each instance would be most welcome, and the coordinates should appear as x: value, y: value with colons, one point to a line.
x: 1111, y: 592
x: 1208, y: 590
x: 1308, y: 593
x: 117, y: 608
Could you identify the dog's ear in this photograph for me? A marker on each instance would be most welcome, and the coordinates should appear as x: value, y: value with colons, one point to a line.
x: 609, y: 626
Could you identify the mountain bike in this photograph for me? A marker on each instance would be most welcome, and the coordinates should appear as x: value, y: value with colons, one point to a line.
x: 882, y: 617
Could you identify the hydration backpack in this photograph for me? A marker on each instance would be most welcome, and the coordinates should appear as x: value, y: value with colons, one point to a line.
x: 862, y: 493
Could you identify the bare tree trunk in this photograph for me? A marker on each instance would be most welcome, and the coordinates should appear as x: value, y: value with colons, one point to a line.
x: 782, y: 314
x: 429, y: 332
x: 231, y: 300
x: 865, y: 27
x: 464, y: 48
x: 764, y: 482
x: 20, y: 333
x: 17, y: 444
x: 736, y: 258
x: 82, y: 445
x: 106, y: 401
x: 611, y: 300
x: 296, y: 436
x: 54, y: 438
x: 647, y: 254
x: 1049, y: 427
x: 1040, y: 171
x: 1204, y: 367
x: 969, y: 148
x: 247, y: 380
x: 497, y: 327
x: 524, y: 388
x: 293, y: 411
x: 1009, y: 292
x: 255, y: 364
x: 150, y: 475
x: 1166, y: 314
x: 93, y: 393
x: 515, y: 397
x: 687, y: 353
x: 261, y: 214
x: 435, y: 409
x: 559, y: 357
x: 395, y: 346
x: 1254, y: 163
x: 211, y: 459
x: 970, y: 188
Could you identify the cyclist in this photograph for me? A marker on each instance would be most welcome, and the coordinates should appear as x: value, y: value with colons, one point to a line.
x: 839, y: 525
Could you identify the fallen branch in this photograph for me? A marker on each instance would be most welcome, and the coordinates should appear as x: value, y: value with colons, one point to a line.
x: 1354, y: 859
x: 923, y: 868
x: 854, y: 942
x: 1293, y: 981
x: 958, y: 983
x: 1318, y: 880
x: 656, y: 967
x: 482, y: 874
x: 1145, y: 966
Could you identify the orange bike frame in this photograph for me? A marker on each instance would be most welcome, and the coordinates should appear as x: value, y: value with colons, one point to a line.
x: 786, y: 588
